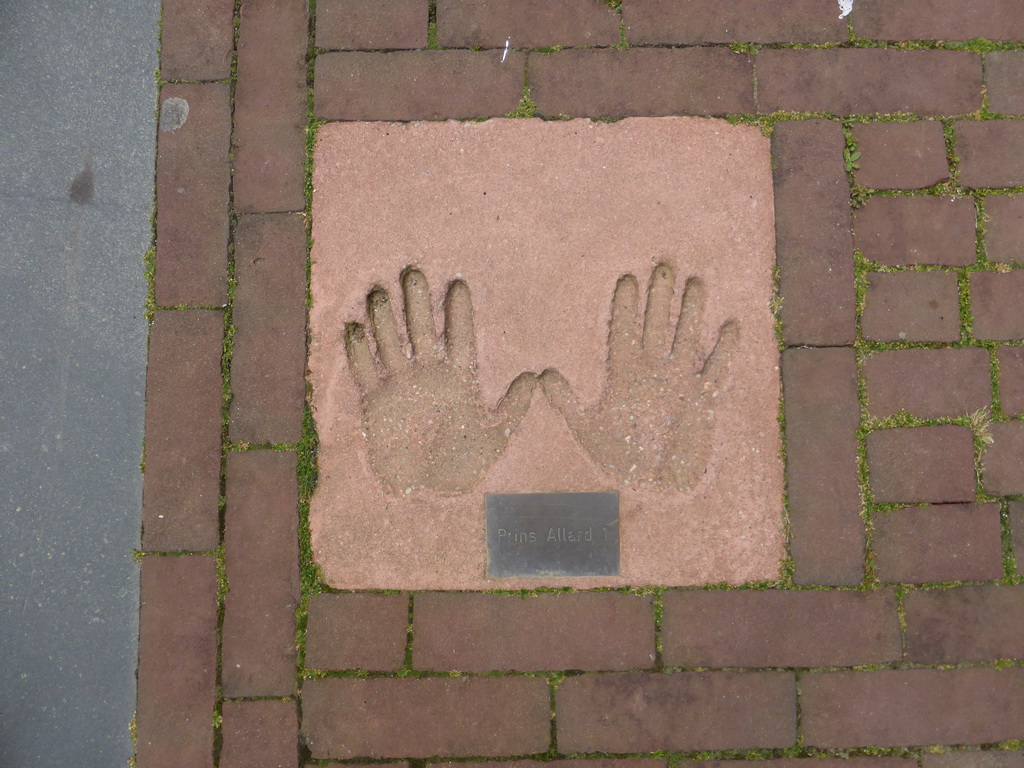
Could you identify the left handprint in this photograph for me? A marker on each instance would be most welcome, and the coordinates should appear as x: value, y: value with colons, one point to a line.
x: 425, y: 423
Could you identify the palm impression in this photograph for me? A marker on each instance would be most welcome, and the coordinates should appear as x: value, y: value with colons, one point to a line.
x: 654, y: 423
x: 425, y: 423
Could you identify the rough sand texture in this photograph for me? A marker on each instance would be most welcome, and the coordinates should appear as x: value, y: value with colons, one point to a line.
x: 672, y: 402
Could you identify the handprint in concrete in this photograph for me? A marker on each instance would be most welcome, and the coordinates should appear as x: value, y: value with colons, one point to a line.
x: 654, y: 424
x: 425, y: 423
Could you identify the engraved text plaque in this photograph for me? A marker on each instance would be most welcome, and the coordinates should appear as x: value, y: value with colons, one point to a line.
x: 552, y: 534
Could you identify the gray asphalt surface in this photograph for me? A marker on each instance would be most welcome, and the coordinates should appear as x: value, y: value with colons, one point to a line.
x: 77, y: 144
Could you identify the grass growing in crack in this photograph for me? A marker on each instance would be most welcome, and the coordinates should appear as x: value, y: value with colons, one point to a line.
x: 526, y: 107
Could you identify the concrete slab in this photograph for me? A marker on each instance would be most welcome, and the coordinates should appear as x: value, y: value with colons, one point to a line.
x: 77, y: 95
x: 524, y: 306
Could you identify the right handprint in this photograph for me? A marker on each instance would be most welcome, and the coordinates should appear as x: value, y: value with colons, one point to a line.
x: 654, y: 424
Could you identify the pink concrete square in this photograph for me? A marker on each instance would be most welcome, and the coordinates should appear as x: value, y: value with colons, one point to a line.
x: 521, y: 306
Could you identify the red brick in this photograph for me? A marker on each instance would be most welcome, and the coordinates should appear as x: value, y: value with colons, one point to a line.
x: 184, y: 396
x: 898, y: 231
x: 177, y: 662
x: 927, y: 383
x: 270, y: 107
x: 354, y: 631
x: 437, y: 716
x: 751, y: 628
x: 813, y: 762
x: 991, y: 152
x: 938, y: 20
x: 634, y: 762
x: 673, y: 23
x: 417, y: 85
x: 911, y: 306
x: 901, y: 155
x: 1011, y: 380
x: 892, y: 708
x: 261, y: 553
x: 997, y: 303
x: 259, y: 734
x: 1016, y: 512
x: 914, y: 464
x: 965, y: 624
x: 371, y: 24
x: 1002, y: 468
x: 1004, y: 77
x: 948, y: 542
x: 1004, y: 230
x: 642, y: 81
x: 861, y: 81
x: 192, y: 177
x: 813, y: 246
x: 526, y: 23
x: 197, y: 38
x: 974, y: 759
x: 268, y: 361
x: 477, y: 633
x: 647, y: 712
x: 822, y: 417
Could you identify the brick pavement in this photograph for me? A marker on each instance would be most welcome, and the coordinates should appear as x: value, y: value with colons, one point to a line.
x: 893, y: 636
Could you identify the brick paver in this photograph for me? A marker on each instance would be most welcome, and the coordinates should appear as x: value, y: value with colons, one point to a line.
x: 748, y: 21
x: 901, y: 155
x: 395, y: 717
x: 196, y: 39
x: 813, y: 247
x: 938, y: 20
x: 820, y: 391
x: 1002, y: 463
x: 991, y: 152
x: 1011, y: 380
x: 640, y: 712
x: 417, y: 85
x: 902, y: 707
x: 603, y: 83
x: 975, y: 759
x: 477, y: 633
x: 354, y: 631
x: 1004, y: 77
x: 904, y: 231
x: 1016, y: 515
x: 997, y: 303
x: 911, y: 306
x: 626, y: 762
x: 526, y: 24
x: 914, y: 464
x: 184, y: 398
x: 796, y: 762
x: 1004, y: 231
x: 964, y: 624
x: 177, y: 661
x: 261, y: 556
x: 371, y: 24
x: 927, y: 383
x: 746, y: 628
x: 270, y: 107
x: 192, y: 178
x: 857, y: 81
x: 259, y: 734
x: 268, y: 361
x: 944, y: 542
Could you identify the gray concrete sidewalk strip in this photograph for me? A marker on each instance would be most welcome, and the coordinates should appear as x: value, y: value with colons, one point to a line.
x: 77, y: 94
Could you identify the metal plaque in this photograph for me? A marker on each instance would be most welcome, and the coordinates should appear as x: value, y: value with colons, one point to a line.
x: 552, y: 534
